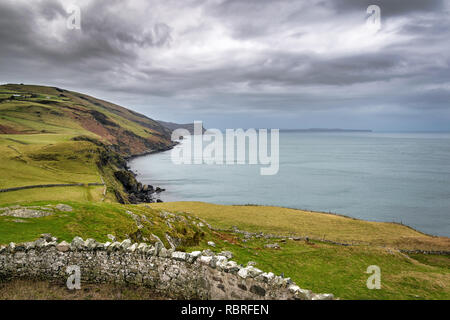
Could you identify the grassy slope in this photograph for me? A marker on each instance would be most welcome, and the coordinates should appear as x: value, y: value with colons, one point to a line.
x: 316, y: 265
x: 28, y: 162
x: 74, y: 106
x: 323, y: 267
x: 48, y: 159
x: 91, y: 193
x: 93, y: 220
x: 37, y: 145
x: 284, y: 221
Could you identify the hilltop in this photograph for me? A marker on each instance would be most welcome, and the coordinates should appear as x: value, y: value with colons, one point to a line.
x: 29, y: 109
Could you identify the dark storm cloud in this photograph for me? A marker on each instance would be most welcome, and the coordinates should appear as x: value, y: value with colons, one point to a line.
x: 193, y: 59
x: 105, y: 33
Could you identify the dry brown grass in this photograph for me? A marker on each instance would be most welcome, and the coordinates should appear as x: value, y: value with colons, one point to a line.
x: 42, y: 290
x: 317, y: 225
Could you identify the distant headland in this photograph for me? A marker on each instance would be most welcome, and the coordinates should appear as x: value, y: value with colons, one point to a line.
x: 325, y: 130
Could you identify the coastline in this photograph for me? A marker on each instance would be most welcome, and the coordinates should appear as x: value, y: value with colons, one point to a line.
x: 136, y: 191
x: 374, y: 184
x: 343, y: 215
x: 151, y: 151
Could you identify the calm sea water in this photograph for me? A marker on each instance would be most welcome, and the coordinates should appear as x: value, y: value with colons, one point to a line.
x: 401, y: 177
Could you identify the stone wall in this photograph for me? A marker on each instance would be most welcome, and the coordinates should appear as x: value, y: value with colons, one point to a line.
x: 178, y: 275
x: 52, y: 185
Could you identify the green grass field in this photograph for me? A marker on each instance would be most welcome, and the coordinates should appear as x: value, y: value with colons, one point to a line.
x: 322, y: 267
x: 91, y: 193
x: 315, y: 265
x: 284, y: 221
x: 45, y: 159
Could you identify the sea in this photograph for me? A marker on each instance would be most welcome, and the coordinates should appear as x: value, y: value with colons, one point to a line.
x: 375, y: 176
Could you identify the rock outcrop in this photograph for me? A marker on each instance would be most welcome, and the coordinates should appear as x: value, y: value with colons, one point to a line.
x: 33, y: 211
x: 137, y: 192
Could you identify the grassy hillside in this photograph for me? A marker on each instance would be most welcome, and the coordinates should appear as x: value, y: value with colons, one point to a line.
x: 54, y: 136
x: 26, y: 109
x: 284, y: 221
x: 96, y: 220
x: 316, y: 265
x: 326, y: 267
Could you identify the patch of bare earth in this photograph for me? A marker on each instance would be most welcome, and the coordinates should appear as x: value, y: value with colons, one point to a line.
x: 427, y: 243
x: 8, y: 130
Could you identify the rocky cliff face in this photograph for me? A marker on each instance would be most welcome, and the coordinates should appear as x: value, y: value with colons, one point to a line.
x: 137, y: 192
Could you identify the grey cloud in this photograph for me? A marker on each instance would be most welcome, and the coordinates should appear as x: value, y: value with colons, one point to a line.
x: 150, y: 60
x: 104, y: 33
x: 50, y: 9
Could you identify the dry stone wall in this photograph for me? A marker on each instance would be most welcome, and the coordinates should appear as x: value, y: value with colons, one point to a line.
x: 178, y: 275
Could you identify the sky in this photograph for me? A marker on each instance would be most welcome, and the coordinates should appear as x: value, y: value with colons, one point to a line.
x: 242, y: 64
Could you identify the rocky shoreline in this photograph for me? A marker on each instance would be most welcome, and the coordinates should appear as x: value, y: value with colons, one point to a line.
x: 138, y: 192
x: 152, y: 151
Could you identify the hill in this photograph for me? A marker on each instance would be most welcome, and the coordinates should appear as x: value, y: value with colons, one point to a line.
x: 55, y: 136
x: 28, y: 109
x: 171, y: 126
